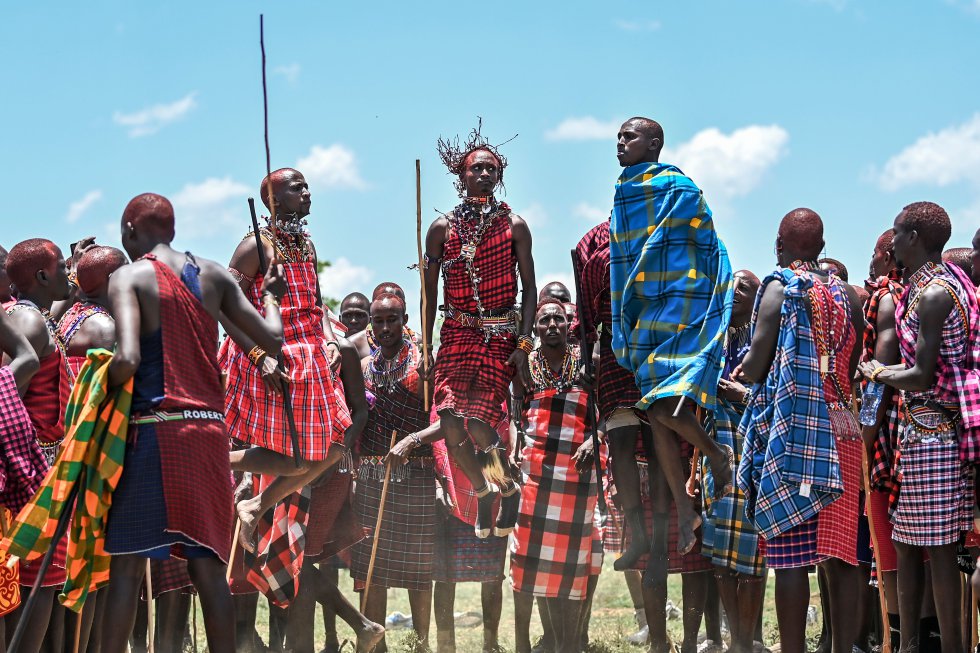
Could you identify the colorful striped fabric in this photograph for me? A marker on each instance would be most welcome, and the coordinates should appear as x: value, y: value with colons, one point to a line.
x: 97, y: 419
x: 671, y: 285
x: 789, y: 469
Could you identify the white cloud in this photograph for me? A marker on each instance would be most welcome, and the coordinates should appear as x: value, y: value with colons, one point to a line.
x: 78, y: 208
x: 206, y: 209
x: 585, y: 128
x: 332, y: 167
x: 534, y: 215
x: 948, y: 156
x: 637, y: 25
x: 729, y: 165
x: 151, y: 119
x: 290, y: 71
x: 590, y: 213
x: 971, y: 6
x: 344, y: 277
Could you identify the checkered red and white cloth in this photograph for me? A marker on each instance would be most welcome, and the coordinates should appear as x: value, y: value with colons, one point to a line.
x: 255, y: 415
x: 552, y: 547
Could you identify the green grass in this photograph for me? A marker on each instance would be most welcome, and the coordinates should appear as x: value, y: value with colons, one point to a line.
x: 612, y: 616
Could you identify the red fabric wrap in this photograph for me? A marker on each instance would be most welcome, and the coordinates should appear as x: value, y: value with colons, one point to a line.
x: 497, y: 265
x: 198, y: 496
x: 43, y: 399
x: 472, y: 375
x: 256, y: 416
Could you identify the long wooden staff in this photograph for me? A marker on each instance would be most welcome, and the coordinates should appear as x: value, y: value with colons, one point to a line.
x: 425, y: 298
x: 150, y: 612
x: 886, y: 634
x: 377, y: 525
x: 287, y: 401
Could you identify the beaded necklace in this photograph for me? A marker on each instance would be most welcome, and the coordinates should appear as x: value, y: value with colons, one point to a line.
x: 88, y: 310
x: 385, y: 374
x: 292, y: 245
x: 544, y: 377
x: 471, y: 221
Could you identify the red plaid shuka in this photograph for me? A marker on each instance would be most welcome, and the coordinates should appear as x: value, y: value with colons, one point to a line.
x: 471, y: 373
x: 43, y: 399
x: 194, y: 464
x: 552, y: 547
x: 254, y: 415
x: 615, y: 385
x: 406, y: 539
x: 884, y: 451
x: 274, y: 570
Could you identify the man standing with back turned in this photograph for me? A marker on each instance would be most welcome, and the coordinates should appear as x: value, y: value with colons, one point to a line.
x: 671, y: 287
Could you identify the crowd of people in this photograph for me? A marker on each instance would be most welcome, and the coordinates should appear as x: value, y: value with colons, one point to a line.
x: 679, y: 415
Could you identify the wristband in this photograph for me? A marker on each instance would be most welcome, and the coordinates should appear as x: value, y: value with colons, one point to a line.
x: 416, y: 439
x: 256, y: 355
x: 268, y: 299
x: 334, y: 343
x: 525, y: 344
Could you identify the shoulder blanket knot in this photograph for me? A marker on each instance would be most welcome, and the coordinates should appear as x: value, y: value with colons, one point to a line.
x: 671, y: 285
x: 789, y: 469
x: 92, y: 455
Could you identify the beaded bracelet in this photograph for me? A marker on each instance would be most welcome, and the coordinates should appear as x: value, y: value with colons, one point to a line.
x: 525, y: 344
x: 268, y: 299
x: 416, y: 439
x: 877, y: 372
x: 256, y: 355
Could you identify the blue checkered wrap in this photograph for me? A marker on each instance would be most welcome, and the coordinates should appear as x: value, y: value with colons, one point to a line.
x: 789, y: 446
x: 671, y: 285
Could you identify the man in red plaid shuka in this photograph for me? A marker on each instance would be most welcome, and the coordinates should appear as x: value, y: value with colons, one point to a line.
x: 174, y: 495
x: 937, y: 320
x: 256, y: 382
x: 478, y: 249
x: 37, y: 268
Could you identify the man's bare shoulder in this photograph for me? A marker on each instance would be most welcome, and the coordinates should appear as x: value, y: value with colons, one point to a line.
x: 936, y: 298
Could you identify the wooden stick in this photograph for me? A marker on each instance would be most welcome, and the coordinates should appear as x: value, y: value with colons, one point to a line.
x: 150, y: 611
x: 265, y: 114
x: 974, y: 633
x: 78, y: 633
x: 234, y: 547
x: 377, y: 525
x: 425, y: 299
x: 886, y: 635
x: 194, y: 621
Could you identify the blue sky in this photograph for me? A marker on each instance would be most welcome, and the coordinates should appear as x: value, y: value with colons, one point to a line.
x: 851, y: 108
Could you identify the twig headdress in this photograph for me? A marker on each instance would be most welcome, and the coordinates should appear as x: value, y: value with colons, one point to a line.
x: 454, y: 153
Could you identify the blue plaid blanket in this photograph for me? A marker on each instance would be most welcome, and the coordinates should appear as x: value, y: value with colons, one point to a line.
x: 671, y: 285
x: 789, y: 469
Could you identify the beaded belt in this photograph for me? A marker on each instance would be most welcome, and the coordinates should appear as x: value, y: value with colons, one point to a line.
x: 929, y: 421
x: 157, y: 416
x: 495, y: 322
x: 373, y: 468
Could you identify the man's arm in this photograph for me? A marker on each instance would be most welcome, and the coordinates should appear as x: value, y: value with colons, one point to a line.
x: 266, y: 332
x: 886, y: 352
x: 350, y: 374
x: 857, y: 321
x: 435, y: 243
x: 529, y: 293
x: 934, y: 307
x: 758, y: 360
x: 18, y: 353
x: 124, y: 300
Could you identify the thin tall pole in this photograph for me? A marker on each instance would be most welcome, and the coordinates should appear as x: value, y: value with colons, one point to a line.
x: 425, y: 298
x: 377, y: 525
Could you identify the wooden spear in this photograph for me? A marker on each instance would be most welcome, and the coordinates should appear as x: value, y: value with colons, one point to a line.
x: 377, y: 525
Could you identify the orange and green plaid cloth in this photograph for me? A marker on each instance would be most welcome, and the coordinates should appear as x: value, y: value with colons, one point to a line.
x: 93, y: 452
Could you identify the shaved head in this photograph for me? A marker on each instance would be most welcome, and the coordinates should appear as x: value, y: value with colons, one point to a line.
x: 555, y: 289
x: 648, y: 127
x: 931, y: 222
x: 961, y: 257
x: 150, y: 213
x: 355, y: 299
x: 29, y: 257
x: 833, y: 266
x: 95, y: 266
x: 884, y: 242
x: 389, y: 287
x: 279, y: 179
x: 801, y: 234
x: 388, y: 299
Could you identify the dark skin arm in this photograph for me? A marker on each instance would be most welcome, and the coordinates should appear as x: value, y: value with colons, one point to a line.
x: 350, y: 374
x: 18, y: 353
x: 134, y: 296
x: 521, y: 239
x: 934, y: 307
x: 435, y: 243
x: 757, y: 362
x: 886, y: 352
x: 97, y: 332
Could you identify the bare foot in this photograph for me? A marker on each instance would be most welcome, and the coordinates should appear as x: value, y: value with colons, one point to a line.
x: 686, y: 538
x: 722, y: 472
x: 244, y: 489
x: 248, y: 515
x: 369, y: 636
